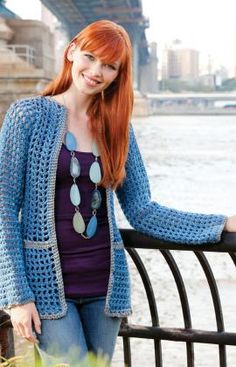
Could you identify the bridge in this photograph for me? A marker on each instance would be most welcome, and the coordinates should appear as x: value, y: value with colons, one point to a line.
x: 5, y: 12
x: 28, y: 45
x: 76, y: 14
x: 192, y: 103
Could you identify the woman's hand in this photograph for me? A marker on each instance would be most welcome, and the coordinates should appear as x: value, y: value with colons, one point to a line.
x: 23, y: 317
x: 230, y: 225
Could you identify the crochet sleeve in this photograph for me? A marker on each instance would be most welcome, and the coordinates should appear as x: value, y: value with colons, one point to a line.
x: 158, y: 221
x: 14, y: 288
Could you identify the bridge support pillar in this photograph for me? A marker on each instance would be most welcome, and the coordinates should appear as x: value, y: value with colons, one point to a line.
x: 140, y: 101
x: 135, y: 63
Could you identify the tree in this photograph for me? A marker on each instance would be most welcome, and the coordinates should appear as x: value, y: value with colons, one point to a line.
x: 228, y: 85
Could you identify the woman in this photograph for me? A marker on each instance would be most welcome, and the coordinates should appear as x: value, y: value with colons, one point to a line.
x: 63, y: 268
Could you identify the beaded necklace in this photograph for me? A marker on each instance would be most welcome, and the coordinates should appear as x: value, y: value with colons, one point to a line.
x: 75, y: 197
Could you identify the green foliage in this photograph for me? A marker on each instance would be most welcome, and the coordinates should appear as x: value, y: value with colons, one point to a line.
x: 172, y: 85
x: 10, y: 362
x: 228, y: 85
x: 178, y: 86
x: 91, y: 360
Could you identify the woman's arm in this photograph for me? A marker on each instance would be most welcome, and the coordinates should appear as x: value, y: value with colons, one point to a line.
x: 159, y: 221
x: 14, y: 138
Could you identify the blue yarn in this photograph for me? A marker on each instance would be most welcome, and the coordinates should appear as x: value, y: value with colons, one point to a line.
x: 30, y: 141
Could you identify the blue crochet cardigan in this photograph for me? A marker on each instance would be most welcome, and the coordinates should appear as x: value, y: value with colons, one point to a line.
x: 30, y: 142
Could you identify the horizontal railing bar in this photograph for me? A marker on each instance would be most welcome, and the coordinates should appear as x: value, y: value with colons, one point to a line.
x: 10, y: 77
x: 17, y: 45
x: 133, y: 239
x: 179, y: 335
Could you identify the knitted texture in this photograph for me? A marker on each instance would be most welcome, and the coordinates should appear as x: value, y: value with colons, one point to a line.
x: 30, y: 141
x: 14, y: 144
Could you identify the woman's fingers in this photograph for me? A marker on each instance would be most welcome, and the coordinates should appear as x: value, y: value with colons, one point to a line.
x: 23, y: 317
x: 36, y: 321
x: 25, y: 330
x: 16, y: 329
x: 28, y: 333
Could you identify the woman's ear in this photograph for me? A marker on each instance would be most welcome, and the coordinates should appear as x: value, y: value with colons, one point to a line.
x: 70, y: 52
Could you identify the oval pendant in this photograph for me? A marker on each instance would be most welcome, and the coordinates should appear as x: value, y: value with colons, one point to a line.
x: 74, y: 167
x: 70, y: 141
x: 75, y: 195
x: 95, y: 172
x: 95, y: 149
x: 78, y: 223
x: 96, y: 199
x: 91, y: 227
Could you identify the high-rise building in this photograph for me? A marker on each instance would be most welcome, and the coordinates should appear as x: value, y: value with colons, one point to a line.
x: 180, y: 63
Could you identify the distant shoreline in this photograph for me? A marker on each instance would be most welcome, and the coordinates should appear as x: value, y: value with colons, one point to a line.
x: 211, y: 112
x: 192, y: 114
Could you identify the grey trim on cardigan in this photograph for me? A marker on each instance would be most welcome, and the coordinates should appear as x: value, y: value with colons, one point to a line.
x: 30, y: 270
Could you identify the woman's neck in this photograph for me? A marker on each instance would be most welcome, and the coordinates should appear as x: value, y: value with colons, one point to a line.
x: 77, y: 103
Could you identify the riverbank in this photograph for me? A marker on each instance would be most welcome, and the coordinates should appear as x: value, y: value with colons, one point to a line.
x: 192, y: 111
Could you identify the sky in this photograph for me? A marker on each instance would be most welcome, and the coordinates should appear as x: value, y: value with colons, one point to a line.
x: 206, y: 25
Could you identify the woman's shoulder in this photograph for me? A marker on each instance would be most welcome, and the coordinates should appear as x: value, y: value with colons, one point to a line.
x: 27, y: 115
x: 25, y: 106
x: 33, y: 107
x: 26, y: 112
x: 33, y: 103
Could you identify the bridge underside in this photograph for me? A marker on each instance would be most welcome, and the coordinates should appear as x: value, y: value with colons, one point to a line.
x: 76, y: 14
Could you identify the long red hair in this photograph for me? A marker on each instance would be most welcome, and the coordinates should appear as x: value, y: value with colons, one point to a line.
x: 109, y: 116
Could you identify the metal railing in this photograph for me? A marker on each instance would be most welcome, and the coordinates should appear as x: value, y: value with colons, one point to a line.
x: 134, y: 240
x: 220, y: 337
x: 6, y: 336
x: 25, y: 52
x: 29, y: 55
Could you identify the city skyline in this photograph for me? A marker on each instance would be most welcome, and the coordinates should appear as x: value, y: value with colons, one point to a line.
x: 206, y: 26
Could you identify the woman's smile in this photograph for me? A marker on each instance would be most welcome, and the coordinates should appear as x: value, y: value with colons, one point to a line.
x: 92, y: 82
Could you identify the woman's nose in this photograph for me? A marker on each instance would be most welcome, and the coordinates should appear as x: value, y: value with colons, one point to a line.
x: 97, y: 69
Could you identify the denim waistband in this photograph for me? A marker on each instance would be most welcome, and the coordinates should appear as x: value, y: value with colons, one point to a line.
x: 82, y: 300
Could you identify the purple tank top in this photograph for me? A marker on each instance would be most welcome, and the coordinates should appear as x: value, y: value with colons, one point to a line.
x: 85, y: 263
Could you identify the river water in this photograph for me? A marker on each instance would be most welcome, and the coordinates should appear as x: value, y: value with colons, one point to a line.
x: 191, y: 164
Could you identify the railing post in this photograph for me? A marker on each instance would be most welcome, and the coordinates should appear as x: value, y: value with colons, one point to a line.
x: 134, y: 240
x: 7, y: 349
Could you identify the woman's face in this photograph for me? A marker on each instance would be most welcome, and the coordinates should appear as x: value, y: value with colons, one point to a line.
x: 89, y: 74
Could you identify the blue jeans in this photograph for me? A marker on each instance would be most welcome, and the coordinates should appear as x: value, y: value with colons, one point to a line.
x: 84, y: 328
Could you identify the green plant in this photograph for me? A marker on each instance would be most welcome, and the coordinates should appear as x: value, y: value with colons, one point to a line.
x: 11, y: 361
x: 91, y: 360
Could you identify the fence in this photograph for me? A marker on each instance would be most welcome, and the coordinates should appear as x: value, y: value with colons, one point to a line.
x: 220, y: 337
x: 13, y: 53
x: 25, y: 52
x: 188, y: 335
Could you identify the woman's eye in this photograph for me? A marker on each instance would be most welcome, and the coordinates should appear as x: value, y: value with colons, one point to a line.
x: 112, y: 67
x: 90, y: 57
